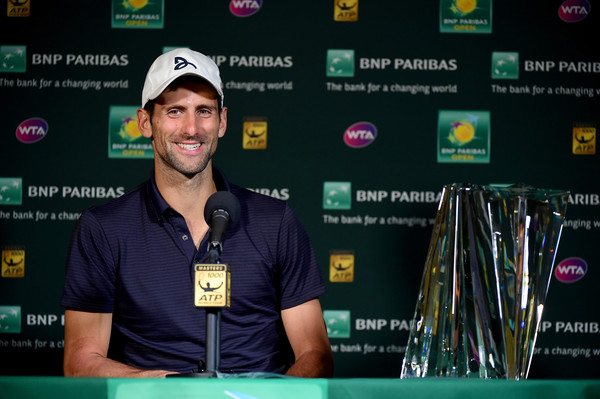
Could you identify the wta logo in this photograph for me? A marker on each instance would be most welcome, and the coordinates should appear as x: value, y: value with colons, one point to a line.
x: 571, y: 270
x: 244, y: 8
x: 360, y: 135
x: 574, y: 10
x: 32, y: 130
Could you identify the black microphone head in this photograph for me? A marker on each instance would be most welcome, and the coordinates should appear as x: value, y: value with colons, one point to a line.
x: 226, y: 201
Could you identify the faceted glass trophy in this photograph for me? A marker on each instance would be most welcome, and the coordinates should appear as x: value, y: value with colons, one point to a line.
x: 485, y: 282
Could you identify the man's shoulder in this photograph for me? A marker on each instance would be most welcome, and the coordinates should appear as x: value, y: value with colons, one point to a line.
x: 255, y: 200
x: 131, y: 201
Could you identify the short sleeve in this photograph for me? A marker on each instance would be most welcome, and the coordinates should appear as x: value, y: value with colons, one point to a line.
x: 300, y: 277
x: 90, y: 268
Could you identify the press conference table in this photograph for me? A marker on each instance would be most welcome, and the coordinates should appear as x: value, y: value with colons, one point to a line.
x: 292, y: 388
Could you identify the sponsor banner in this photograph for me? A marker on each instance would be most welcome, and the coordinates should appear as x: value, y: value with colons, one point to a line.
x: 463, y: 137
x: 466, y: 16
x: 124, y: 137
x: 255, y: 133
x: 346, y: 11
x: 138, y: 14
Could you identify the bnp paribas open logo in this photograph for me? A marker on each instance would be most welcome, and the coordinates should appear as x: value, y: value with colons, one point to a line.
x: 466, y: 16
x: 124, y: 137
x: 337, y: 323
x: 13, y: 59
x: 505, y: 65
x: 10, y: 319
x: 463, y: 137
x: 337, y: 195
x: 340, y: 63
x: 138, y: 14
x: 11, y: 191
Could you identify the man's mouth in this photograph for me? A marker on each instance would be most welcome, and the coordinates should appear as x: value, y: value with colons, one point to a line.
x: 190, y: 147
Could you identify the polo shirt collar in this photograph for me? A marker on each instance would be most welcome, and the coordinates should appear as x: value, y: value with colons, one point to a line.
x: 160, y: 206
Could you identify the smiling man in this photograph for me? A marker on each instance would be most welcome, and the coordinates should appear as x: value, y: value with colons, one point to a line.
x: 129, y: 289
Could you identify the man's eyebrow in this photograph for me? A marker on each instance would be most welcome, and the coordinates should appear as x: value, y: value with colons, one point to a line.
x: 211, y: 107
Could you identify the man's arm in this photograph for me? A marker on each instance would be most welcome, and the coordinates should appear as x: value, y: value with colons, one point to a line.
x: 307, y: 334
x: 86, y: 346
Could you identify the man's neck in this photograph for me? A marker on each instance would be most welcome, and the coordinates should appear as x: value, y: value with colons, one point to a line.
x: 188, y: 197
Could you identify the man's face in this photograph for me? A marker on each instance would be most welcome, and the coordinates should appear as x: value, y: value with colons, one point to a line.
x: 185, y: 128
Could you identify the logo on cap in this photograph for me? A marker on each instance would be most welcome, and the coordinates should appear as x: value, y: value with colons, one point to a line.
x: 181, y: 63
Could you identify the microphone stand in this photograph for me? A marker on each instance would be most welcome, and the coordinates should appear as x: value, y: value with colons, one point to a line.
x: 213, y: 326
x: 213, y: 331
x: 221, y: 211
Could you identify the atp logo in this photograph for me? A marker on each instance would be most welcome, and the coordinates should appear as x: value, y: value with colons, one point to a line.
x: 341, y: 266
x: 344, y: 10
x: 181, y: 63
x: 584, y: 140
x: 13, y: 263
x: 18, y: 8
x: 255, y: 134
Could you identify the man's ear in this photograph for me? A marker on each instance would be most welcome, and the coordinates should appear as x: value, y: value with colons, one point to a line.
x: 144, y: 123
x: 223, y: 122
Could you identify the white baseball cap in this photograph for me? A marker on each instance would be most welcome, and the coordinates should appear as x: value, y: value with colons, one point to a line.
x: 179, y: 62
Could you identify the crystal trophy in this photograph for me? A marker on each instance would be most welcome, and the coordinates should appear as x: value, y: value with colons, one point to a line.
x: 485, y: 282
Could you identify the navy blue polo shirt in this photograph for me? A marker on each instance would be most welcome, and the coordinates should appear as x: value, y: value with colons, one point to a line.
x: 133, y: 257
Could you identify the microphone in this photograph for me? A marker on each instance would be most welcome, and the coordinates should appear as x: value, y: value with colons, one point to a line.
x: 222, y: 211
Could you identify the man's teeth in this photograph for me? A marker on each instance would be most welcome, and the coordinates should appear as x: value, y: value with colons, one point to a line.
x: 189, y: 146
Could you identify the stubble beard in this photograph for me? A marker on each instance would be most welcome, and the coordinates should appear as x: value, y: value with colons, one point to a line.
x: 171, y: 161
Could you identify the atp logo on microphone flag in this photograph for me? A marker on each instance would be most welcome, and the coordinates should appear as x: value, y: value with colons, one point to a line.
x: 212, y: 286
